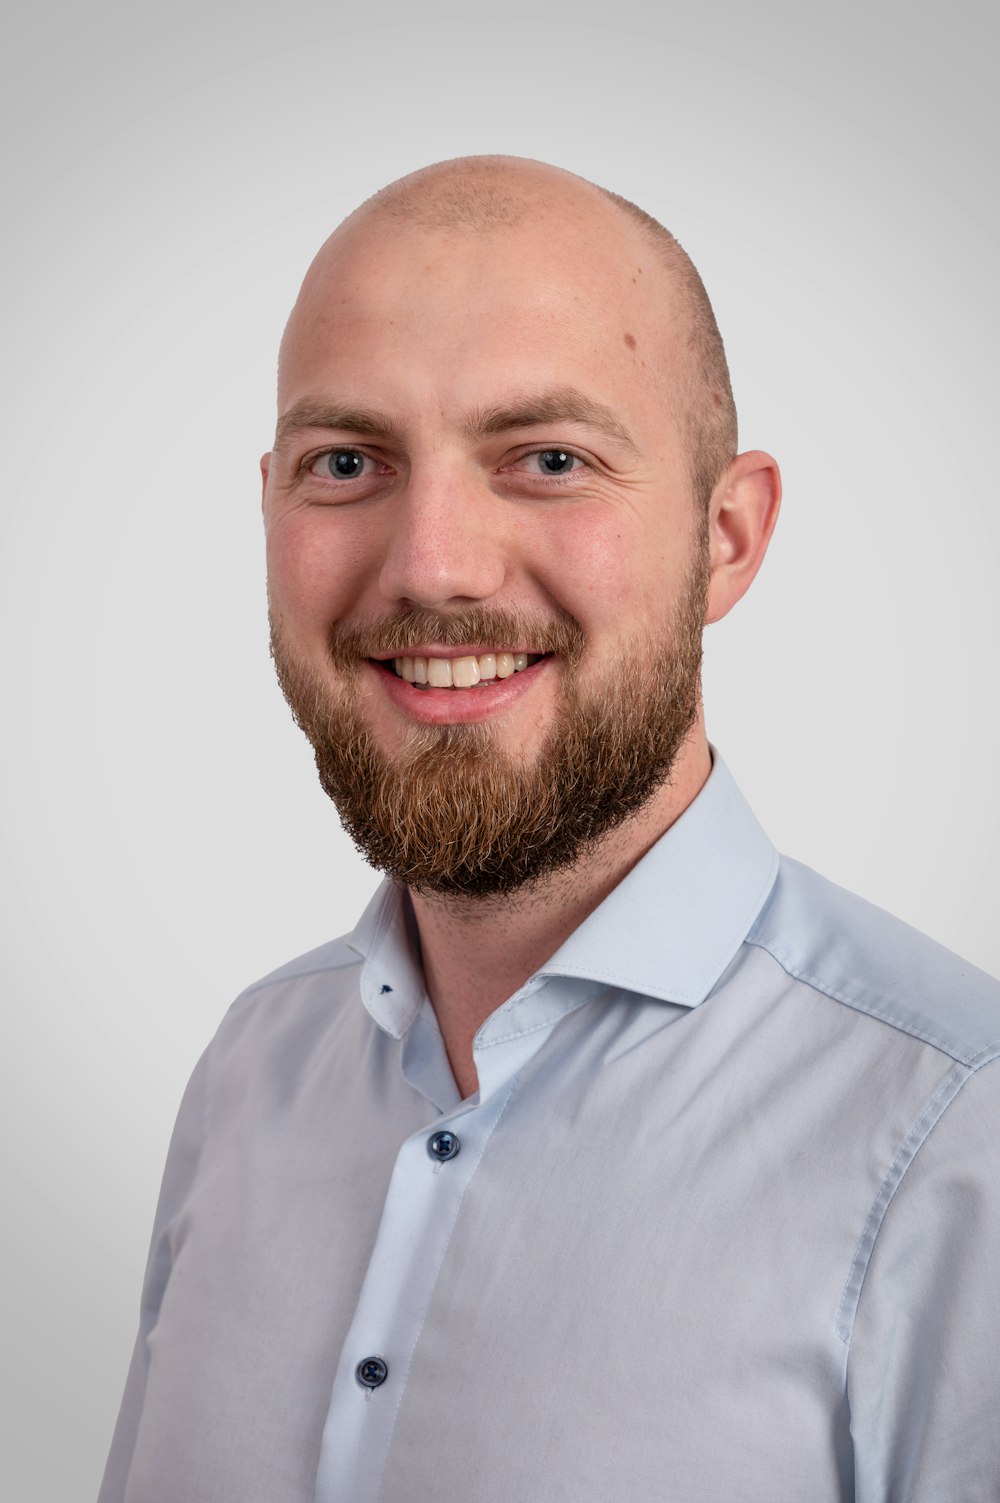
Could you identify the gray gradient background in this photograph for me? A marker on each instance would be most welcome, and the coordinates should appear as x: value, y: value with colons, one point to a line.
x: 832, y: 171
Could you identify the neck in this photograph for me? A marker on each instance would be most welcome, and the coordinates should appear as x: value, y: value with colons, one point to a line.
x: 478, y: 951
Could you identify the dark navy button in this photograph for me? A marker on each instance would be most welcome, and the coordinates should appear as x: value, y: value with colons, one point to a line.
x: 443, y: 1146
x: 371, y: 1373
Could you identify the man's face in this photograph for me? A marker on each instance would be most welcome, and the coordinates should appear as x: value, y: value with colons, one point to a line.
x: 479, y: 457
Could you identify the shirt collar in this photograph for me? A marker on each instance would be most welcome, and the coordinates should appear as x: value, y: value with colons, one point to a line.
x: 668, y: 930
x: 386, y: 940
x: 674, y: 922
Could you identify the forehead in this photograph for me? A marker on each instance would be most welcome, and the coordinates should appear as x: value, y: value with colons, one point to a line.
x: 402, y: 312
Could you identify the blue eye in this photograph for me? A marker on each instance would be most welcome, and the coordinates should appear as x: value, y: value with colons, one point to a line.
x: 556, y: 461
x: 342, y: 464
x: 553, y: 462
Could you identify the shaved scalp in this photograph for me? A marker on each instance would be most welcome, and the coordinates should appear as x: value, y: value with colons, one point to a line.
x: 709, y: 406
x: 487, y: 194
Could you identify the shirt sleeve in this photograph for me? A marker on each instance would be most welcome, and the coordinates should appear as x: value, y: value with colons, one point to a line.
x: 178, y: 1177
x: 924, y: 1356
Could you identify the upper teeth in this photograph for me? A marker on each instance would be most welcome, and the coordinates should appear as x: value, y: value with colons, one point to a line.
x: 460, y: 673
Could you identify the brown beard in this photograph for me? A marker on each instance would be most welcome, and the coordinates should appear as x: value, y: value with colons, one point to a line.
x: 453, y: 813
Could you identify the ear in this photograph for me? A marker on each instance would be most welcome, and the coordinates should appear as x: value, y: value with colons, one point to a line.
x: 265, y: 465
x: 741, y: 518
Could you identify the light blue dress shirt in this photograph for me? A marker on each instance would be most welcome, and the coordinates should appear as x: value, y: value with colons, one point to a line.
x: 722, y: 1222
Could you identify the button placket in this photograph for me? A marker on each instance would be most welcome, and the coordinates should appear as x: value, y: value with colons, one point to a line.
x: 417, y: 1224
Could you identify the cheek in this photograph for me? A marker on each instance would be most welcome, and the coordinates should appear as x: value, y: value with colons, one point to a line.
x: 315, y: 569
x: 603, y: 571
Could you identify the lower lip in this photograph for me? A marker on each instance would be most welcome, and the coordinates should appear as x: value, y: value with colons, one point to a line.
x: 458, y: 706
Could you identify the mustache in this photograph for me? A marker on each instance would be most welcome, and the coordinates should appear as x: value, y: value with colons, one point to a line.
x: 399, y: 633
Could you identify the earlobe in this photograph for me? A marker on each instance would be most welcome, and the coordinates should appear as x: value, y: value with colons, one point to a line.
x: 742, y: 515
x: 265, y: 465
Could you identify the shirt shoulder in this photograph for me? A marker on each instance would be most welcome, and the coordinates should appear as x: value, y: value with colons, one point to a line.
x: 335, y: 955
x: 314, y: 985
x: 855, y: 953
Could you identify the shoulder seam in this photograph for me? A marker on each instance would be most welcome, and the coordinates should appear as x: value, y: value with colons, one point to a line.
x: 209, y: 1055
x: 277, y: 979
x: 168, y: 1227
x: 206, y: 1105
x: 868, y: 1009
x: 947, y: 1091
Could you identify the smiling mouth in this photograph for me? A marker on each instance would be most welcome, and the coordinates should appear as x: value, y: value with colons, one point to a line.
x: 461, y: 673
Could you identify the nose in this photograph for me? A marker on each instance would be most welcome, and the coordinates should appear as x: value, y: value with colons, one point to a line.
x: 446, y: 542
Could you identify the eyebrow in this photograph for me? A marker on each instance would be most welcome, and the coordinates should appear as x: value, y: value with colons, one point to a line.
x: 561, y: 405
x: 310, y: 413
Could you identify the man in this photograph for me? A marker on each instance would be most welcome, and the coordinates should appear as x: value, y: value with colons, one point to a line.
x: 610, y: 1155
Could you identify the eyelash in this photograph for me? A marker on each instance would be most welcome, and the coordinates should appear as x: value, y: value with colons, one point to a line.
x: 555, y: 449
x: 312, y: 459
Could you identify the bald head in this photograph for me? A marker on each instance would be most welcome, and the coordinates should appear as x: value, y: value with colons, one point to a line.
x: 496, y: 197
